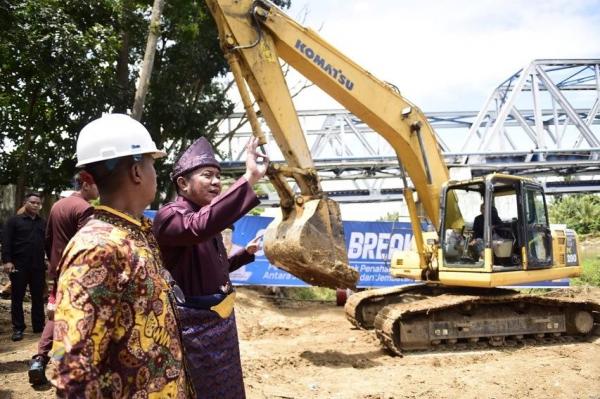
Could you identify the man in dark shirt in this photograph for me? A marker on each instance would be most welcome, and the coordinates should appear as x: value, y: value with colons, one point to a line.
x: 23, y: 258
x: 188, y: 233
x: 66, y: 217
x: 478, y: 224
x: 476, y: 244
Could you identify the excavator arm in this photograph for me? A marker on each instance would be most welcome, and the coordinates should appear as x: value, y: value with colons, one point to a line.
x: 254, y: 36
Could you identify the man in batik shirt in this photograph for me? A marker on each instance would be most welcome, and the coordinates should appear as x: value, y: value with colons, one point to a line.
x: 115, y: 327
x: 66, y: 217
x: 189, y: 233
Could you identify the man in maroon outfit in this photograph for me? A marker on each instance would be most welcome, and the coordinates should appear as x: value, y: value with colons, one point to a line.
x: 66, y: 217
x: 188, y: 233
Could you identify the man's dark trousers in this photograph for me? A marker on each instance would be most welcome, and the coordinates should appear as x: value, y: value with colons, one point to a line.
x: 20, y: 279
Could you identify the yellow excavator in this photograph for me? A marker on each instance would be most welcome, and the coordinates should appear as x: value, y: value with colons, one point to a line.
x: 459, y: 266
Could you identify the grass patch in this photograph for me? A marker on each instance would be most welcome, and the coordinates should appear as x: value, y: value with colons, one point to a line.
x: 591, y: 272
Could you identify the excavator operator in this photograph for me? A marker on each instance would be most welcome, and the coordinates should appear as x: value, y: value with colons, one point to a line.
x: 476, y: 245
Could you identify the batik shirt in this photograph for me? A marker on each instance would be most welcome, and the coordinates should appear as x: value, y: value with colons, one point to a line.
x: 115, y: 330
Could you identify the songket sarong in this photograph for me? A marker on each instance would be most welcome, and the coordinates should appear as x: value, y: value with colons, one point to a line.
x: 212, y: 353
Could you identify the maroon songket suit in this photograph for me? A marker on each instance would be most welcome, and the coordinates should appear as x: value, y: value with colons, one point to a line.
x: 190, y: 240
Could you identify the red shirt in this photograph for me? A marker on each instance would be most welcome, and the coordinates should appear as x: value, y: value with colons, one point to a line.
x: 66, y: 217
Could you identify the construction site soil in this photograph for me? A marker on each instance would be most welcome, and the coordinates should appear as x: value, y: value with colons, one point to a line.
x: 306, y: 349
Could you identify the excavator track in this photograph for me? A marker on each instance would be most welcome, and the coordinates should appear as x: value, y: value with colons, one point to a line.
x: 362, y: 307
x: 457, y: 320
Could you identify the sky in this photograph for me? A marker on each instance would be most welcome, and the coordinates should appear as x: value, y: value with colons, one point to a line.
x: 449, y: 55
x: 446, y: 55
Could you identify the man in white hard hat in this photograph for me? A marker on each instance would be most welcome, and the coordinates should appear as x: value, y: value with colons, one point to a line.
x: 115, y: 327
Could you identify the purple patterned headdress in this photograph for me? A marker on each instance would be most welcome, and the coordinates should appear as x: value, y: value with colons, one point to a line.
x: 200, y: 153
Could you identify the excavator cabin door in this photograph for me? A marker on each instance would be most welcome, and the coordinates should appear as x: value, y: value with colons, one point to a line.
x: 536, y: 228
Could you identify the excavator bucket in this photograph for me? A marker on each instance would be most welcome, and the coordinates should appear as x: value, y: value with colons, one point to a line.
x: 308, y: 242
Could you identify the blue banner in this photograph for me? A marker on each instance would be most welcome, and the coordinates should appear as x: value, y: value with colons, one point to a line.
x: 368, y: 243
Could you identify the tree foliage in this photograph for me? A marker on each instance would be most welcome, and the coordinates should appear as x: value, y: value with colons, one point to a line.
x: 56, y: 73
x: 580, y: 212
x: 65, y: 62
x: 390, y: 217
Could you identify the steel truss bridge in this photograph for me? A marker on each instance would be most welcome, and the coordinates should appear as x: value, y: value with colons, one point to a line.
x: 542, y: 121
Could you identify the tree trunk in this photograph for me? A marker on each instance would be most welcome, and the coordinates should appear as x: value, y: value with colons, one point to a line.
x: 122, y: 102
x: 144, y: 82
x: 21, y: 177
x: 123, y: 73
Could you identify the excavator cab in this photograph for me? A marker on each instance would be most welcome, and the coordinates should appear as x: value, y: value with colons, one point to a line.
x: 511, y: 233
x: 494, y: 231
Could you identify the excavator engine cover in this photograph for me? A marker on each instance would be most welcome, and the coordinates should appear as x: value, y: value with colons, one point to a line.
x: 308, y: 242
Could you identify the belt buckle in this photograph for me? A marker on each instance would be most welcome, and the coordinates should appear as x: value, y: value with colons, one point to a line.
x: 225, y: 307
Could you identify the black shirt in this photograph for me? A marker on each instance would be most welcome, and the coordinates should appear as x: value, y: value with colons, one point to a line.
x: 23, y: 241
x: 478, y: 224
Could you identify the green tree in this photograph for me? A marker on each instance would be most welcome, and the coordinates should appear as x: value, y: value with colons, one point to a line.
x: 580, y: 212
x: 64, y: 62
x: 390, y: 217
x: 56, y: 72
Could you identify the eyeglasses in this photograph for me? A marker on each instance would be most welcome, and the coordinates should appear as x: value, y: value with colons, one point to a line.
x: 34, y: 203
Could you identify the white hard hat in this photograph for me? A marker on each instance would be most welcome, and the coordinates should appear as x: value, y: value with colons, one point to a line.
x: 114, y: 136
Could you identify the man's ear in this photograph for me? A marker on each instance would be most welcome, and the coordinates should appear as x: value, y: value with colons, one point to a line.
x: 181, y: 183
x: 135, y: 172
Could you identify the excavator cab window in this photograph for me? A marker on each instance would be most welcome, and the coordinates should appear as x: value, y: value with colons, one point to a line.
x: 506, y: 231
x: 538, y: 238
x: 484, y: 214
x: 462, y: 206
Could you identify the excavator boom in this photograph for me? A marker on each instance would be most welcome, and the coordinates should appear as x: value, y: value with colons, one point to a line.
x: 308, y: 239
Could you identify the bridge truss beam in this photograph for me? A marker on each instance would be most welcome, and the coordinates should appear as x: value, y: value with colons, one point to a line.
x: 542, y: 121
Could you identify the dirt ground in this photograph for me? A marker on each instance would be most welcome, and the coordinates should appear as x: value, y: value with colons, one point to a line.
x: 293, y: 349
